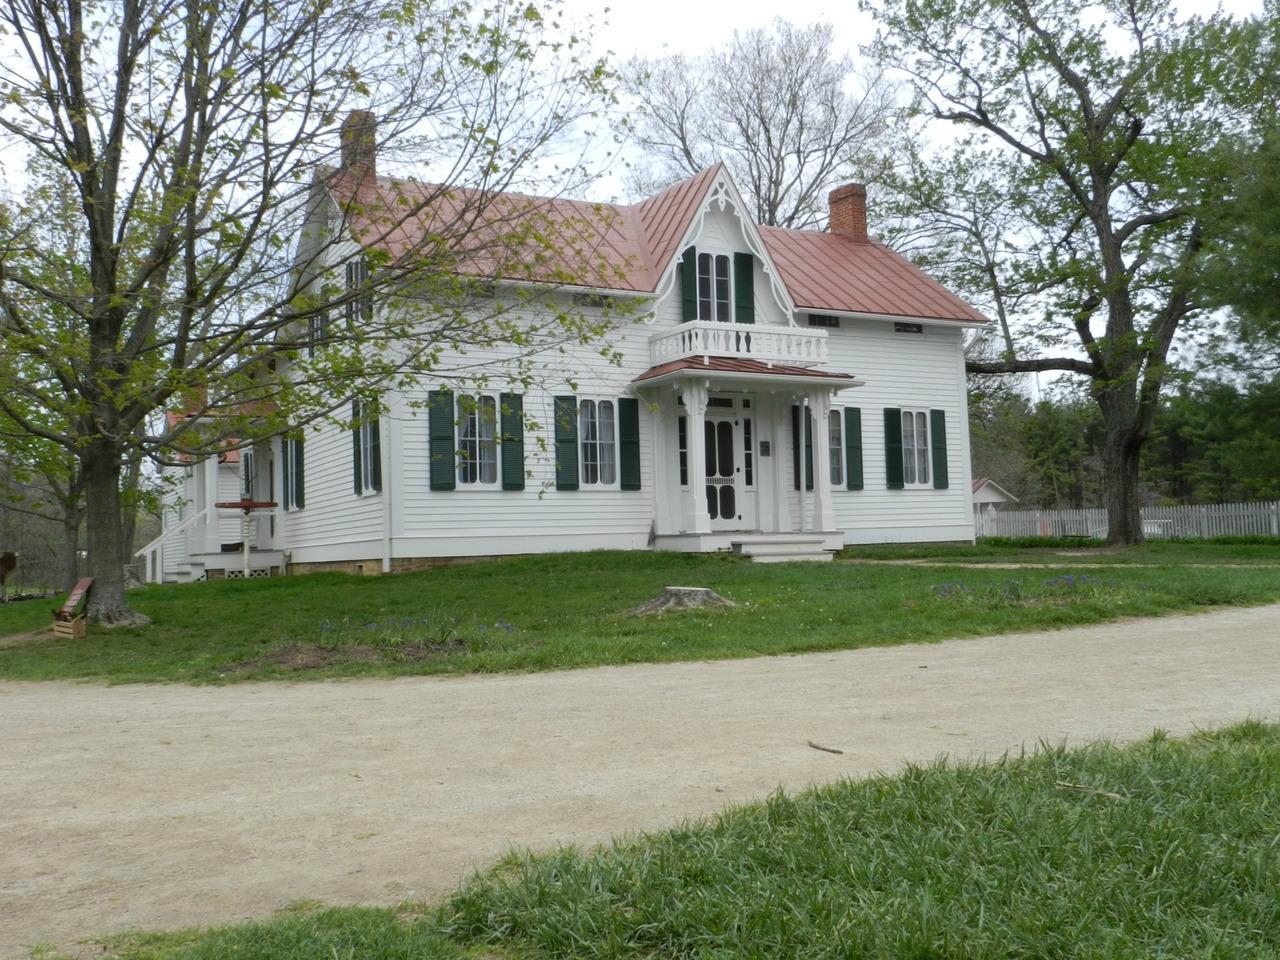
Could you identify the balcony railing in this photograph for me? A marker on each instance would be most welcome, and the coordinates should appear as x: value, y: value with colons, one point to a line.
x: 796, y: 346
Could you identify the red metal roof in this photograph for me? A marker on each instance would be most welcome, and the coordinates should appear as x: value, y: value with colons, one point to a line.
x: 737, y: 365
x: 627, y: 247
x: 826, y: 271
x: 666, y: 216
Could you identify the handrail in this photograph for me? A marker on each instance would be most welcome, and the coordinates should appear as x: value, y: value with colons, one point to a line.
x: 166, y: 535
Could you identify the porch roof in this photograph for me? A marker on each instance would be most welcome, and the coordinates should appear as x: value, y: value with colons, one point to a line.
x: 736, y: 368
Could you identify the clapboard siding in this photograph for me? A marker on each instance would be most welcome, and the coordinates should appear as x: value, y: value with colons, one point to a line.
x: 229, y: 486
x: 473, y: 520
x: 924, y: 371
x: 334, y: 517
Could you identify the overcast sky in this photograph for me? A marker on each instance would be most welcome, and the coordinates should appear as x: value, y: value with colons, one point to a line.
x: 651, y: 28
x: 647, y: 27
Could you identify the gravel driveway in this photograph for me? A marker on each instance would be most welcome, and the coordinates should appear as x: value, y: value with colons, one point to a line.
x: 160, y: 806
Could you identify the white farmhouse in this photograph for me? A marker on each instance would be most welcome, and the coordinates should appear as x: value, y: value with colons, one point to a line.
x: 782, y: 393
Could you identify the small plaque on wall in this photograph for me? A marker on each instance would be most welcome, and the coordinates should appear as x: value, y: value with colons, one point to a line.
x: 764, y: 448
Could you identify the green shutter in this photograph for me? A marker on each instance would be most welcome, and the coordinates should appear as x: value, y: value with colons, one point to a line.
x: 294, y: 493
x: 853, y: 448
x: 355, y: 445
x: 443, y: 449
x: 744, y: 288
x: 808, y: 449
x: 566, y: 432
x: 795, y: 448
x: 375, y: 451
x: 286, y: 474
x: 629, y: 443
x: 893, y: 448
x: 938, y: 445
x: 689, y: 285
x: 300, y: 490
x: 512, y: 419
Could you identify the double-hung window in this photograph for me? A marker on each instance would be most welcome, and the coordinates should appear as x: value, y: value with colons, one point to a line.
x: 598, y: 442
x: 321, y: 314
x: 835, y: 446
x: 359, y: 304
x: 915, y: 447
x: 477, y: 440
x: 713, y: 287
x: 367, y: 447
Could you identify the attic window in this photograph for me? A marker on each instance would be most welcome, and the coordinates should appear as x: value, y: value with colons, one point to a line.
x: 908, y: 328
x: 823, y: 320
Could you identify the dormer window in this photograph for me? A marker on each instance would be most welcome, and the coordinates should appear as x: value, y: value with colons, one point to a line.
x: 713, y: 287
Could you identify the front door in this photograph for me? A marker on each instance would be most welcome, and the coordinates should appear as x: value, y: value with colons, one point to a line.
x: 730, y: 479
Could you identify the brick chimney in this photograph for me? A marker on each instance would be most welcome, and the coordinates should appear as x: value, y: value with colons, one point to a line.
x: 359, y: 143
x: 848, y: 211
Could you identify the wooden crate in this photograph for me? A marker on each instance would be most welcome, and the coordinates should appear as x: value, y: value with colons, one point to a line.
x: 72, y: 629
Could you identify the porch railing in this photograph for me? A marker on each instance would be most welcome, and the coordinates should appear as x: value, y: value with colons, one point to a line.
x: 796, y: 346
x: 169, y: 550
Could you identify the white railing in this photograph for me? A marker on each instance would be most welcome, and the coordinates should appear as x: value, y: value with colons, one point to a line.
x: 796, y: 346
x: 1158, y: 523
x: 169, y: 550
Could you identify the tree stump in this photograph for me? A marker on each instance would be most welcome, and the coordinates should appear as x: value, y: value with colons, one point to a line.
x: 682, y: 598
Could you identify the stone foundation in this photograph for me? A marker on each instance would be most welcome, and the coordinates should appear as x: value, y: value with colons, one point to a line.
x: 373, y: 568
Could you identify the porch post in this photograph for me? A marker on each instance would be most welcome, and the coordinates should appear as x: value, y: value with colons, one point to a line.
x: 824, y: 518
x: 695, y: 394
x: 806, y: 478
x: 779, y: 412
x: 666, y: 463
x: 209, y: 533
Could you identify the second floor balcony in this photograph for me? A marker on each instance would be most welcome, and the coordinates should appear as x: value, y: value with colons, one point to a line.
x: 793, y: 346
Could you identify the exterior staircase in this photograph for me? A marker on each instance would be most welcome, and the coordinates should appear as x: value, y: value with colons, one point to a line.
x: 783, y: 548
x: 181, y: 555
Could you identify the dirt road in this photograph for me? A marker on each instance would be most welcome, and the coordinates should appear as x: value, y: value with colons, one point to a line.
x: 160, y: 806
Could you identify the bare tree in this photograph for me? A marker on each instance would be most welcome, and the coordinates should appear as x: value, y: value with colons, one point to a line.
x: 788, y: 118
x: 950, y: 210
x: 45, y: 485
x: 1103, y: 122
x: 196, y: 141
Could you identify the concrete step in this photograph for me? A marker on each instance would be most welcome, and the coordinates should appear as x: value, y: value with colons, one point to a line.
x: 799, y: 555
x: 780, y: 546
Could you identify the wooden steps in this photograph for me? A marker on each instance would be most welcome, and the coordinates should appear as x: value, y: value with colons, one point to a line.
x: 783, y: 548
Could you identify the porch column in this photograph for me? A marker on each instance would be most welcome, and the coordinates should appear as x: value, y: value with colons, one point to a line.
x: 779, y: 413
x: 824, y: 517
x: 668, y: 509
x: 208, y: 527
x: 695, y: 394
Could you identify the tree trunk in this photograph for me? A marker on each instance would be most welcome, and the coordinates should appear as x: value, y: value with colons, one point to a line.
x: 129, y: 503
x: 70, y: 549
x: 1120, y: 461
x: 107, y: 607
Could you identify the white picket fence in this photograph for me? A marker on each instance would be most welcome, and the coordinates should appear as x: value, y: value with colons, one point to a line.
x: 1158, y: 523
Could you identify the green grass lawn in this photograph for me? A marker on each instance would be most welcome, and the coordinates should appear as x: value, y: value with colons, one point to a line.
x: 1168, y: 849
x: 1058, y: 551
x: 571, y: 610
